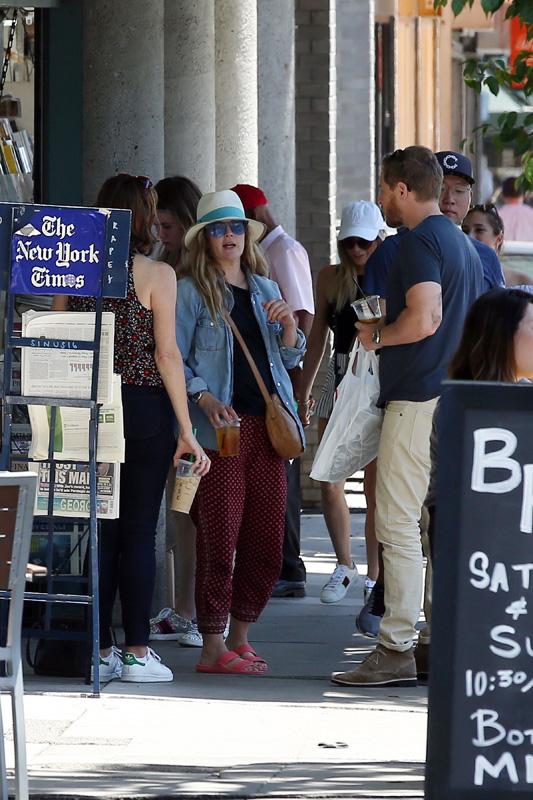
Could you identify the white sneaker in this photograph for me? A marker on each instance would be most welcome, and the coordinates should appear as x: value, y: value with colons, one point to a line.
x: 369, y: 585
x: 145, y: 670
x: 193, y: 637
x: 339, y: 583
x: 110, y: 667
x: 168, y: 626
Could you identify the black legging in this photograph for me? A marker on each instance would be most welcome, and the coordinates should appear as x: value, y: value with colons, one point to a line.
x: 127, y: 544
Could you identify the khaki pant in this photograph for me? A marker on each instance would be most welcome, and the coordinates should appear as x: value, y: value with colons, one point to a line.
x: 402, y: 482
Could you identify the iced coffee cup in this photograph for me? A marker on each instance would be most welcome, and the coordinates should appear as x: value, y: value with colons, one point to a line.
x: 367, y: 309
x: 228, y: 438
x: 185, y: 487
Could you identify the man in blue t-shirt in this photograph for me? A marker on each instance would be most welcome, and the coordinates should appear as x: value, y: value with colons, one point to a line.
x: 378, y: 265
x: 432, y: 283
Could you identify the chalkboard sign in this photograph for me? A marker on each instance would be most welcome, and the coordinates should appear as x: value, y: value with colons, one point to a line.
x: 480, y: 726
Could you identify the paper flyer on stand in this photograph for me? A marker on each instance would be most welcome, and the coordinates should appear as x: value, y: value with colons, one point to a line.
x: 71, y: 490
x: 55, y: 370
x: 72, y: 431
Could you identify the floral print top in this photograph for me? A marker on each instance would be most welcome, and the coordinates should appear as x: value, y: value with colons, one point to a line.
x: 134, y: 334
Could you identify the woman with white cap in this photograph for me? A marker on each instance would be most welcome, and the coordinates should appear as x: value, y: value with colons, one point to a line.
x: 362, y: 228
x: 239, y: 509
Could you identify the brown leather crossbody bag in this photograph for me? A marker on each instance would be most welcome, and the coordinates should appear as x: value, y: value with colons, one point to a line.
x: 281, y: 426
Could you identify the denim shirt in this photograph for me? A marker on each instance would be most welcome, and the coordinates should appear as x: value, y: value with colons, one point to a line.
x: 207, y: 350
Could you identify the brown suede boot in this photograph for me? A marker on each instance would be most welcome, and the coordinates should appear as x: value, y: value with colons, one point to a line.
x: 382, y: 667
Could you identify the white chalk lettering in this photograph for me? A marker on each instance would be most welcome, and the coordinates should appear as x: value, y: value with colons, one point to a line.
x: 525, y: 569
x: 517, y: 608
x: 498, y: 635
x: 501, y: 636
x: 489, y: 731
x: 526, y: 517
x: 500, y: 459
x: 497, y: 578
x: 483, y: 765
x: 483, y: 577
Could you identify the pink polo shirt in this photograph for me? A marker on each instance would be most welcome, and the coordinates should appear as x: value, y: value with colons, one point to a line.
x: 517, y: 222
x: 289, y: 267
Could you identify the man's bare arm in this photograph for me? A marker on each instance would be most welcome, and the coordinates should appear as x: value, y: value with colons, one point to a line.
x: 419, y: 319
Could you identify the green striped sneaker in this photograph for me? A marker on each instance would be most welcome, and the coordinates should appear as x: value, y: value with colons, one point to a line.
x: 148, y: 669
x: 110, y: 667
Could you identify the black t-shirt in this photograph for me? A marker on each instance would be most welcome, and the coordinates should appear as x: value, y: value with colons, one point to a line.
x: 438, y: 251
x: 247, y: 399
x: 342, y: 323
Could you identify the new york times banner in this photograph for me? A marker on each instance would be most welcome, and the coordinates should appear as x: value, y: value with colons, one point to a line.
x: 58, y: 251
x: 64, y: 250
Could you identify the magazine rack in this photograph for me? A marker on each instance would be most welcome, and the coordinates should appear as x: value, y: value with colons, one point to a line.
x: 9, y: 401
x: 80, y: 248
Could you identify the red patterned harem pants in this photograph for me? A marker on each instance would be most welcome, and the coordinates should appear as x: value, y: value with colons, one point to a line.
x: 239, y: 513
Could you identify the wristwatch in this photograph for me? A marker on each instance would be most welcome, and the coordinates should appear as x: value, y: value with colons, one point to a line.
x: 376, y: 336
x: 196, y: 397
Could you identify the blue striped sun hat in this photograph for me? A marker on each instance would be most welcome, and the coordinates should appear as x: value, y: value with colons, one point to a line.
x: 218, y: 207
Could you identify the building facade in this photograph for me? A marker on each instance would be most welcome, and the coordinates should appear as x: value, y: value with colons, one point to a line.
x: 302, y: 97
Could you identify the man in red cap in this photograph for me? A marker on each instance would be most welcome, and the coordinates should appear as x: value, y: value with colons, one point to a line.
x: 289, y: 267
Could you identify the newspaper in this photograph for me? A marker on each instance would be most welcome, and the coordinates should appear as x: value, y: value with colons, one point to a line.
x: 71, y: 440
x: 63, y: 372
x: 71, y: 490
x: 58, y: 371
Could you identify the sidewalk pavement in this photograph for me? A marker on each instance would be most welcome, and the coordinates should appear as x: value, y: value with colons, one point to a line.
x: 289, y: 734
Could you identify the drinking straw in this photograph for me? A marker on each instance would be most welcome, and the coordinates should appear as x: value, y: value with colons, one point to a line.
x: 190, y: 457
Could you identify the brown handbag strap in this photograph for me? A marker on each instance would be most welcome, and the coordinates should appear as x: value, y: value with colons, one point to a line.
x: 257, y: 375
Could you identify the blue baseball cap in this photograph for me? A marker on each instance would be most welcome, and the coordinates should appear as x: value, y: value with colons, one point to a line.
x: 456, y: 164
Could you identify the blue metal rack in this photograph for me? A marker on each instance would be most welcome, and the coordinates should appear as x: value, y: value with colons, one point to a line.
x: 9, y: 401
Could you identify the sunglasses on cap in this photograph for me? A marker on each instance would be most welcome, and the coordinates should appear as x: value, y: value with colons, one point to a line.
x: 218, y: 229
x: 363, y: 244
x: 143, y: 180
x: 485, y: 208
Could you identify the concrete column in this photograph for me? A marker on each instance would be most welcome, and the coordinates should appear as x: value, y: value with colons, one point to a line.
x: 275, y: 74
x: 122, y: 90
x: 355, y: 102
x: 236, y: 92
x: 190, y: 91
x: 315, y: 159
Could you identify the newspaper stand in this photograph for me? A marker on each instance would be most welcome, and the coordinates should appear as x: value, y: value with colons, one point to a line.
x: 10, y: 400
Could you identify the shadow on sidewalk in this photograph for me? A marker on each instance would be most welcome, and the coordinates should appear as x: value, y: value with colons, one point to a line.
x: 306, y: 779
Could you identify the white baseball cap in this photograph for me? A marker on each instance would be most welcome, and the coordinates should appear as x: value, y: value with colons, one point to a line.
x: 361, y: 218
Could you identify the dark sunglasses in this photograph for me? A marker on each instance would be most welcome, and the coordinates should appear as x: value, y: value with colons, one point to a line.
x: 143, y: 180
x: 218, y: 229
x: 363, y: 244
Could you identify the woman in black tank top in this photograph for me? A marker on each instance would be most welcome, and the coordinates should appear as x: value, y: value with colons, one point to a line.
x: 337, y: 287
x: 153, y: 399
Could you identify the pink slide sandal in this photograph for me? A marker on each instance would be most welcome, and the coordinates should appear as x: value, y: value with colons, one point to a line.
x: 247, y: 652
x: 231, y: 663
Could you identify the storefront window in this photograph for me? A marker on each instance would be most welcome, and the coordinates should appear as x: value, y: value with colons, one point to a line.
x: 17, y: 104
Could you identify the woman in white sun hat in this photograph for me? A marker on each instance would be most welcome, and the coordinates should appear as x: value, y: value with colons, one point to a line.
x: 362, y: 228
x: 239, y: 508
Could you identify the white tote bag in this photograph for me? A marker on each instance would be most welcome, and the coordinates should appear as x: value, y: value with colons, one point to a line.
x: 351, y: 438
